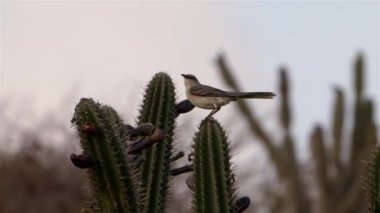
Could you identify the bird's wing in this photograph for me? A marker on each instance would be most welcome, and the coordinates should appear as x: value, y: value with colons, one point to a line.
x: 203, y: 90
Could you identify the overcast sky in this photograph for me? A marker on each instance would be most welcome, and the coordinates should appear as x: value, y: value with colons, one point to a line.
x: 108, y: 51
x: 54, y: 53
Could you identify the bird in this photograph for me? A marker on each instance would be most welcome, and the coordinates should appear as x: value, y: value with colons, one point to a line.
x: 207, y: 97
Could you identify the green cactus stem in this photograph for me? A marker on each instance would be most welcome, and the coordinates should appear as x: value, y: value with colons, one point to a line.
x: 158, y: 108
x: 213, y: 177
x: 99, y: 129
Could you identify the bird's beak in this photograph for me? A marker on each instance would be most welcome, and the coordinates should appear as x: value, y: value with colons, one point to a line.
x: 183, y: 75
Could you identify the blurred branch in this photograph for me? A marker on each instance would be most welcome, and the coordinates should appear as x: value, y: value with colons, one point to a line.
x: 248, y: 113
x: 283, y: 157
x: 339, y: 191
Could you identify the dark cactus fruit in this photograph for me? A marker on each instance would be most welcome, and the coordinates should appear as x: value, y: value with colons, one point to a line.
x: 82, y: 161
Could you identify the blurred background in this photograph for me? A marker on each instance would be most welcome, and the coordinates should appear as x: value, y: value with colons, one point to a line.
x: 54, y: 52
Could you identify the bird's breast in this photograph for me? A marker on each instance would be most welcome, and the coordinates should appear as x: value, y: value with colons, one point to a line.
x: 205, y: 102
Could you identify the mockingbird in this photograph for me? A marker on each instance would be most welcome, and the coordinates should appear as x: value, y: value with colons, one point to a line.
x: 207, y: 97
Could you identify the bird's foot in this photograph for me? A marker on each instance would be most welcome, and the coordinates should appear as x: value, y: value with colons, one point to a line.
x: 213, y: 112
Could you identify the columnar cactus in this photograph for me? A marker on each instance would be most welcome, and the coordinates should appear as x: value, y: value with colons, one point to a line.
x: 213, y: 178
x: 337, y: 123
x: 157, y: 108
x: 99, y: 131
x: 338, y: 179
x: 129, y: 167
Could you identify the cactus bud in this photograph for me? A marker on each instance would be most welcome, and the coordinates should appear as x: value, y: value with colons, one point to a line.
x: 242, y: 204
x: 181, y: 170
x: 183, y: 107
x: 82, y: 161
x: 142, y: 130
x: 177, y: 156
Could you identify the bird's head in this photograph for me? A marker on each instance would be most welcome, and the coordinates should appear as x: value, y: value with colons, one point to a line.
x: 190, y: 79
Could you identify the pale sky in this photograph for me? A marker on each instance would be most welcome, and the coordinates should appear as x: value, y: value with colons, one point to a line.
x: 108, y: 51
x: 53, y: 53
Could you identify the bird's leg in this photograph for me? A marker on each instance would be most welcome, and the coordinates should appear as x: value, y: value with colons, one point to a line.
x: 211, y: 113
x: 215, y: 110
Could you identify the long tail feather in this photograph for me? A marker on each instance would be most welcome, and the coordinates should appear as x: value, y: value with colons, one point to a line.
x: 261, y: 95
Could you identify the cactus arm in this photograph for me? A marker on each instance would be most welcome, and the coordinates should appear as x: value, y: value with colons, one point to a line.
x: 222, y: 165
x: 337, y: 123
x: 209, y: 184
x: 120, y: 158
x: 214, y: 190
x: 204, y: 175
x: 319, y: 157
x: 198, y: 201
x: 100, y: 138
x: 158, y: 109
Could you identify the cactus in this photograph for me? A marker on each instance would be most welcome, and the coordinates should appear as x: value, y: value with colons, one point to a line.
x: 213, y: 189
x: 337, y: 126
x: 129, y: 168
x: 294, y: 183
x: 319, y: 156
x: 372, y: 183
x: 339, y: 190
x: 362, y: 114
x: 158, y: 108
x: 99, y: 131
